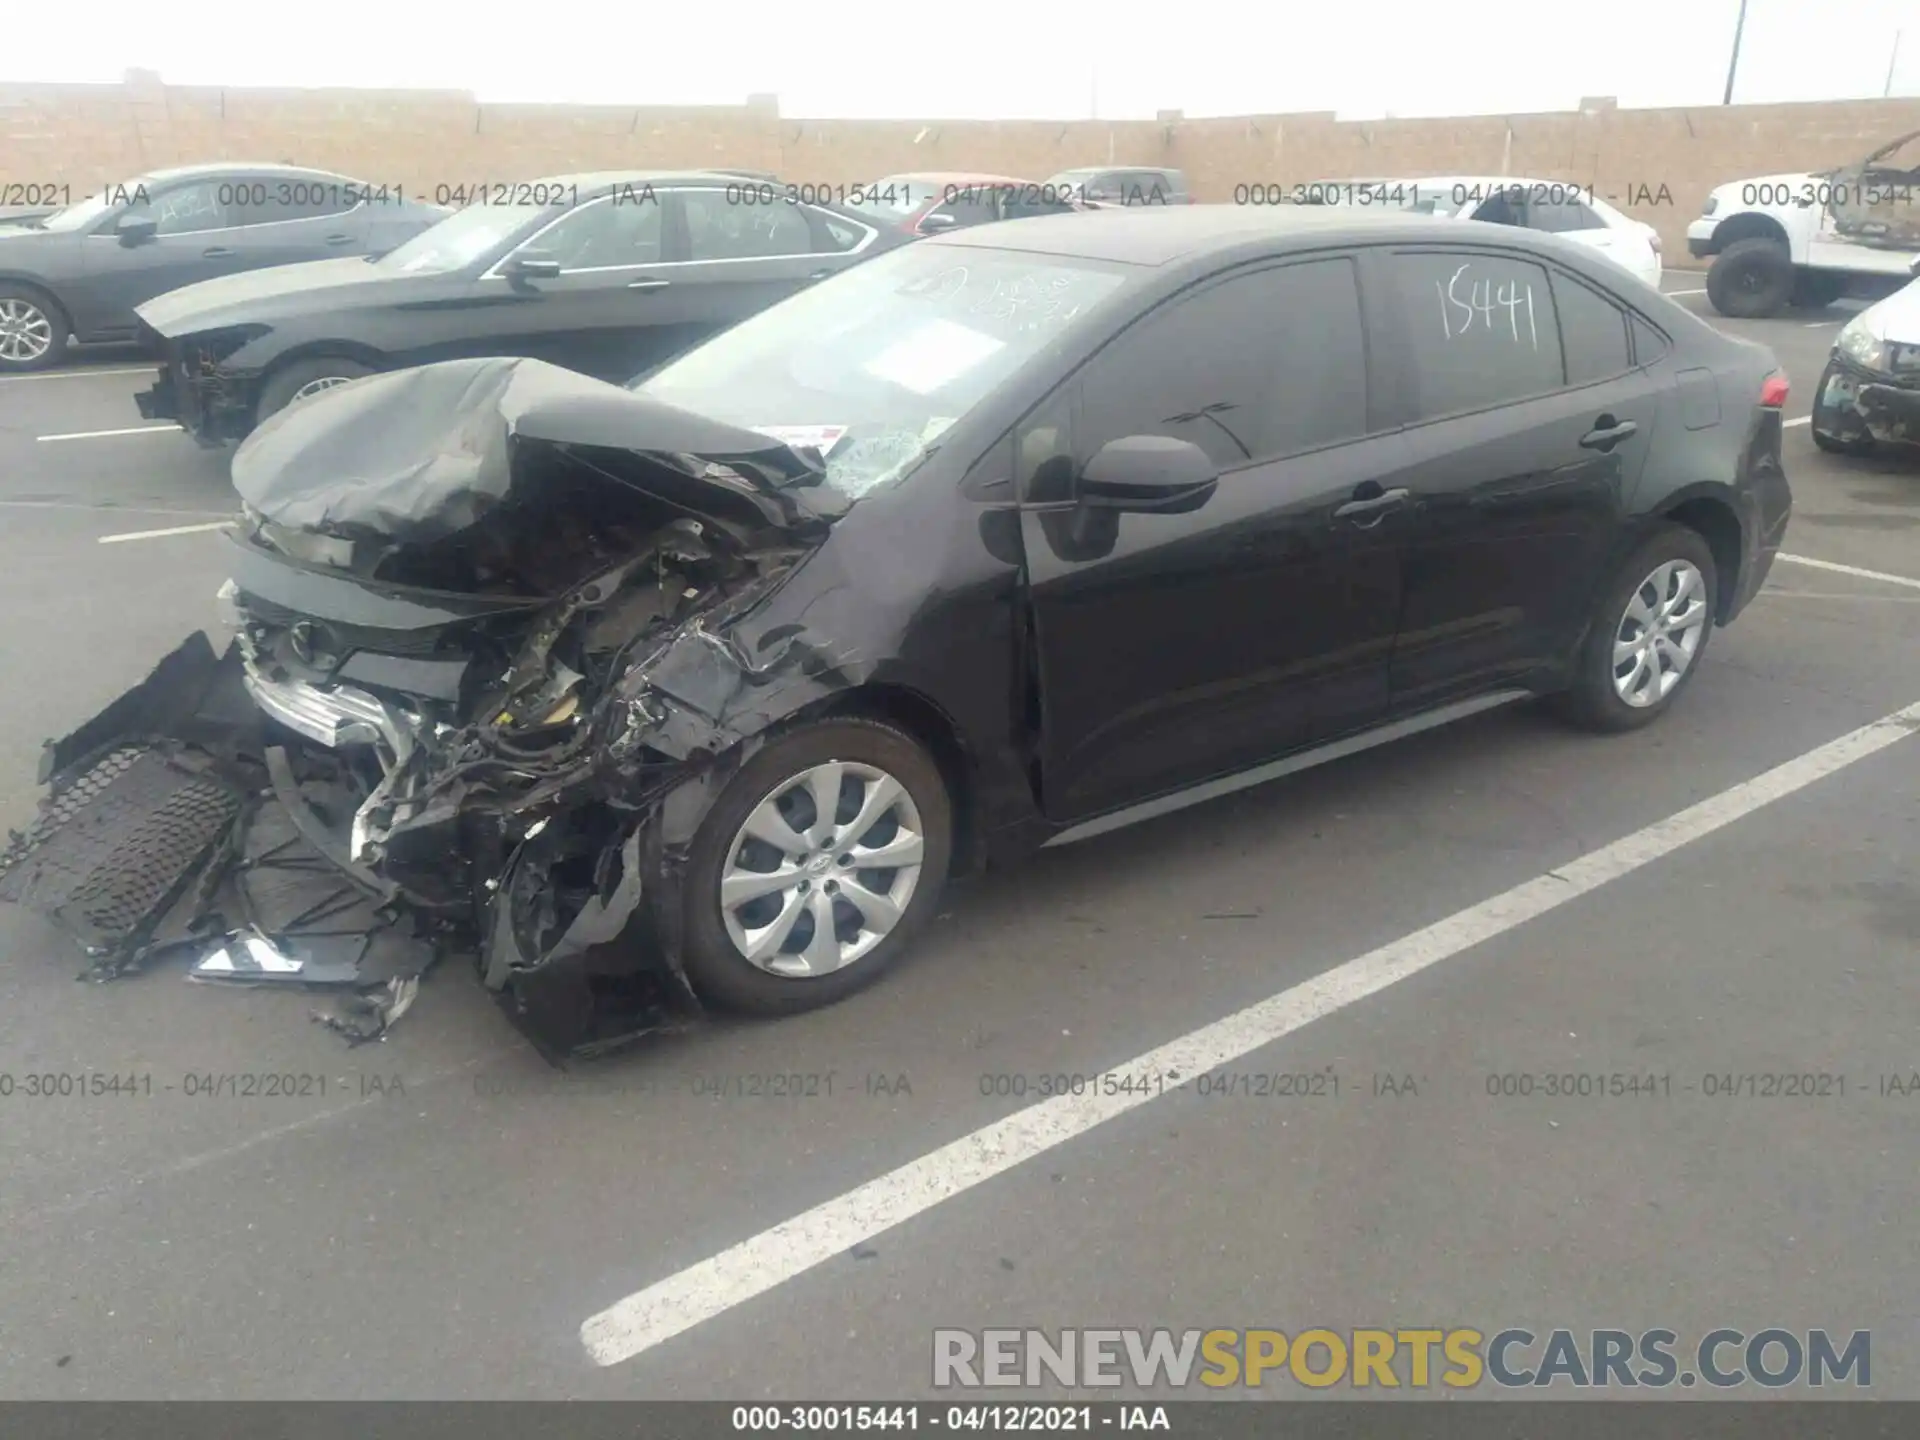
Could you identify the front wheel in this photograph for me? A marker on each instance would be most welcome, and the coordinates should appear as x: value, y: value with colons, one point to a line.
x: 304, y: 378
x: 1751, y: 280
x: 33, y: 332
x: 1647, y: 635
x: 822, y: 860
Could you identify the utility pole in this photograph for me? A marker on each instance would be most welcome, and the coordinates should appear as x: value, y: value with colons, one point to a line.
x: 1892, y: 65
x: 1734, y: 65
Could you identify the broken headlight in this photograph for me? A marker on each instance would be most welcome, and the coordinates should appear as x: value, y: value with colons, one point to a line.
x: 1861, y: 343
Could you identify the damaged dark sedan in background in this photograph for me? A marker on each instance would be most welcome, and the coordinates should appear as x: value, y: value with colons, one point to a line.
x: 695, y: 693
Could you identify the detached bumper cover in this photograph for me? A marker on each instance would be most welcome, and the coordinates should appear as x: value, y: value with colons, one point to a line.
x: 1854, y: 406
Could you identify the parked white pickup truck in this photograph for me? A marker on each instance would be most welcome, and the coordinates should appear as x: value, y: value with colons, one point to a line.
x: 1807, y: 239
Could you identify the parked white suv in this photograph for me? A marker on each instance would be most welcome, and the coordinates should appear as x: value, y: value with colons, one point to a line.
x: 1807, y: 239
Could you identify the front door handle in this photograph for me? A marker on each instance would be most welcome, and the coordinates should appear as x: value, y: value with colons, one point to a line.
x: 649, y: 284
x: 818, y: 275
x: 1607, y: 433
x: 216, y: 252
x: 1373, y: 509
x: 339, y: 240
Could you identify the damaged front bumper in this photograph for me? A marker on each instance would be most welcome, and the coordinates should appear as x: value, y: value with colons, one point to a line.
x: 215, y: 810
x: 211, y: 406
x: 1856, y: 406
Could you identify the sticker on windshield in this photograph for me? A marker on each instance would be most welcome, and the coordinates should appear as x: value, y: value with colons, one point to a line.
x: 932, y: 356
x: 802, y: 437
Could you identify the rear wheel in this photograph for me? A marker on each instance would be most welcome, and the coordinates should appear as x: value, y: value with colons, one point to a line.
x: 33, y: 330
x: 1648, y: 632
x: 1751, y: 279
x: 304, y: 378
x: 822, y: 860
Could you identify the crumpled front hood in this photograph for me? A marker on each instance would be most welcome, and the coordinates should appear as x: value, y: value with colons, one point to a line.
x: 416, y: 455
x: 312, y: 287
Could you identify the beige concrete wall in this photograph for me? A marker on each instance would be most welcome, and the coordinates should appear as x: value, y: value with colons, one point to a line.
x: 1657, y: 164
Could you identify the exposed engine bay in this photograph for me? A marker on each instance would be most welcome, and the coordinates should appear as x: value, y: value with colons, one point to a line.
x: 479, y: 676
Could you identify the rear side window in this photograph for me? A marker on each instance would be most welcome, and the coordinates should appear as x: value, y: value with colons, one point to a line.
x: 1648, y: 343
x: 1258, y: 366
x: 1562, y: 216
x: 1481, y: 330
x: 1593, y: 332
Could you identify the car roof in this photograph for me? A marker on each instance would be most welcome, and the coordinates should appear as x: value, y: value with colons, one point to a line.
x: 228, y: 167
x: 1151, y: 235
x: 957, y: 177
x: 586, y: 180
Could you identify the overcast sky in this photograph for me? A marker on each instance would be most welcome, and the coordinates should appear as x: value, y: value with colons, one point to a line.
x: 985, y: 59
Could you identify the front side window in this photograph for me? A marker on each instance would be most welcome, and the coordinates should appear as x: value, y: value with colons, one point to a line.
x: 1481, y: 329
x: 606, y: 234
x: 873, y: 365
x: 461, y: 239
x: 1263, y: 364
x: 182, y: 209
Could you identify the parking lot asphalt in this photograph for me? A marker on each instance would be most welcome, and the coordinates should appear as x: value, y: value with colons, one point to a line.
x: 438, y: 1215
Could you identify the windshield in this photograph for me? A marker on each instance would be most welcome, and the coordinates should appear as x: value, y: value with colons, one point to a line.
x: 83, y: 213
x: 462, y: 238
x: 873, y: 365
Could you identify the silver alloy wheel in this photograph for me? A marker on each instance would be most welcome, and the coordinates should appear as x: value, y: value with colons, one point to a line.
x: 822, y: 869
x: 1660, y: 633
x: 26, y: 333
x: 314, y: 387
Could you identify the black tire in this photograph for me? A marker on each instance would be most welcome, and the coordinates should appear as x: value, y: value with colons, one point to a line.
x: 1593, y: 703
x: 37, y: 309
x: 1816, y: 289
x: 289, y: 380
x: 1751, y: 279
x: 719, y: 973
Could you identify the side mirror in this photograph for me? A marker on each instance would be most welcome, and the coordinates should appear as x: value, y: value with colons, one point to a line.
x: 1148, y: 474
x: 136, y: 229
x: 533, y: 265
x: 937, y: 221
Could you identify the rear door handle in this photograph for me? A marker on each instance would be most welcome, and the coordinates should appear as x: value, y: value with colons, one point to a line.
x: 818, y: 275
x: 216, y: 252
x: 649, y: 284
x: 1372, y: 510
x: 1606, y: 433
x: 339, y: 240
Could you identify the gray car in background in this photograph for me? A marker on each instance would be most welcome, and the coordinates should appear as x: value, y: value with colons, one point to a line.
x: 78, y: 272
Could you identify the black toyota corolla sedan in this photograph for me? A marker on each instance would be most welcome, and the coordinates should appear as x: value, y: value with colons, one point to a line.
x: 696, y: 693
x: 607, y: 273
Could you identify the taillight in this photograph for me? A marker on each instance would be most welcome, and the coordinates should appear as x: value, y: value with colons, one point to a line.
x: 1773, y: 392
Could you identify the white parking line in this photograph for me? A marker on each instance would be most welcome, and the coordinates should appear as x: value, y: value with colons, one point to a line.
x: 158, y: 534
x: 1686, y: 292
x: 759, y: 1264
x: 1880, y: 575
x: 97, y: 434
x: 80, y: 374
x: 1802, y: 420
